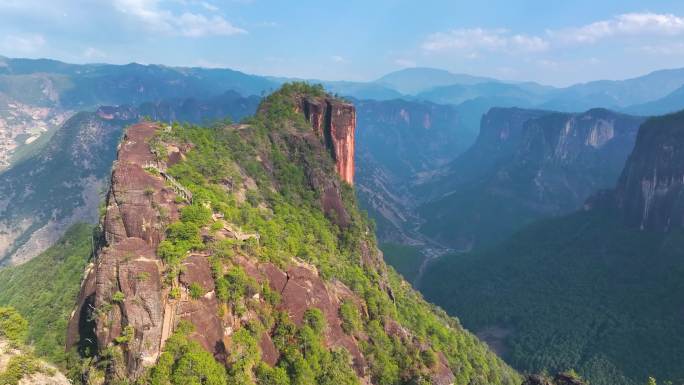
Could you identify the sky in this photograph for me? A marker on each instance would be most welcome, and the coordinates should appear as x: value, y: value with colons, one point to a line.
x: 548, y: 41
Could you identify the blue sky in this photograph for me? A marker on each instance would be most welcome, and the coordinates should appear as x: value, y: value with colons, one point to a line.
x: 552, y: 41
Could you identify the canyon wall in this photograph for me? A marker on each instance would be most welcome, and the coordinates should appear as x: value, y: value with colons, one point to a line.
x: 649, y: 192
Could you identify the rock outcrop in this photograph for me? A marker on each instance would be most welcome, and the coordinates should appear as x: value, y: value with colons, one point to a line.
x: 127, y: 294
x: 335, y: 122
x: 125, y: 286
x: 650, y: 192
x: 228, y: 275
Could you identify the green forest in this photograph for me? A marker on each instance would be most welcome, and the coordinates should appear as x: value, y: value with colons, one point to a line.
x: 580, y: 292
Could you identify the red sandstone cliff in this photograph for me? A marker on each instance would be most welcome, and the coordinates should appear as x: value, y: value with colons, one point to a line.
x: 335, y: 122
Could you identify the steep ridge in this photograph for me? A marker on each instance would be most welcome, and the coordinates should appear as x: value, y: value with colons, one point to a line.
x: 526, y: 165
x: 603, y: 284
x: 246, y: 233
x: 63, y: 183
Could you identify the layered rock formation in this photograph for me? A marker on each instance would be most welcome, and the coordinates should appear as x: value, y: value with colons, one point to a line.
x: 127, y: 290
x: 500, y: 136
x: 335, y: 121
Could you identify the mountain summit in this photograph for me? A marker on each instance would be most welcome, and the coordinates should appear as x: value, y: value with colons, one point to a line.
x: 236, y: 254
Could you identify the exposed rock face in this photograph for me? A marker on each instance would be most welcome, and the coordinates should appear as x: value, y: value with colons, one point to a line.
x: 139, y: 206
x: 567, y: 138
x: 335, y: 122
x: 501, y: 133
x: 301, y: 288
x: 125, y: 284
x: 650, y: 190
x: 526, y: 165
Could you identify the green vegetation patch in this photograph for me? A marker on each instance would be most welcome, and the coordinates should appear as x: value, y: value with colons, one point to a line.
x: 44, y: 290
x: 582, y: 291
x: 406, y: 260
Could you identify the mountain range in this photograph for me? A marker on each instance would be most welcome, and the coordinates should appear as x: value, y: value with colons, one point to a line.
x: 239, y: 250
x: 546, y: 192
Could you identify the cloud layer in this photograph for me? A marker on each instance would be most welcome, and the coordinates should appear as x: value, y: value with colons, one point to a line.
x: 188, y: 24
x: 475, y: 40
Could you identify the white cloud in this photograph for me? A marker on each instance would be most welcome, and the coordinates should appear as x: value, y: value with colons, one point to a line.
x: 337, y: 59
x: 186, y: 24
x: 474, y: 40
x: 196, y: 25
x: 209, y: 7
x: 629, y: 24
x: 22, y: 44
x: 406, y: 63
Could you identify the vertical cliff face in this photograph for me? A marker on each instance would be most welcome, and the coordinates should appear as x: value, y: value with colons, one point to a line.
x: 650, y: 192
x: 335, y: 122
x: 574, y: 140
x: 128, y: 295
x: 525, y: 165
x: 342, y: 126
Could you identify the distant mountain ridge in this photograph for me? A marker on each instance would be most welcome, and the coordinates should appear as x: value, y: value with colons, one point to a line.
x: 416, y: 80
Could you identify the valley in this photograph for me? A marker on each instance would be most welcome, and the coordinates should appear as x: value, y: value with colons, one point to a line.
x: 510, y: 205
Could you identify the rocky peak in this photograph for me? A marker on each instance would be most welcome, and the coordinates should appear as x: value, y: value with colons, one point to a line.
x: 649, y: 192
x: 147, y: 280
x: 335, y: 122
